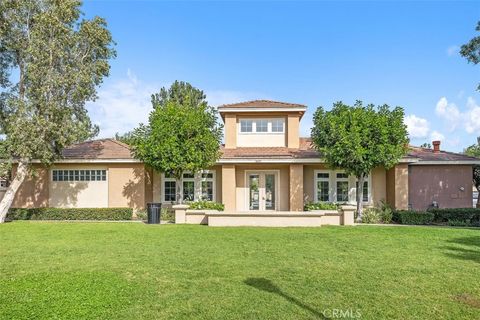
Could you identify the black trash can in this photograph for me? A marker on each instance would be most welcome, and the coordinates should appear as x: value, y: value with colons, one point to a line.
x: 153, y: 212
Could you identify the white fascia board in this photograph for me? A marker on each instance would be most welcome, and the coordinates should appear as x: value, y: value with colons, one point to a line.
x: 447, y: 162
x: 296, y: 160
x: 94, y: 161
x: 292, y: 109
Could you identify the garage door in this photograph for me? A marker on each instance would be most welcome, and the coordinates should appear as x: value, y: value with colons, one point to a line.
x: 78, y: 187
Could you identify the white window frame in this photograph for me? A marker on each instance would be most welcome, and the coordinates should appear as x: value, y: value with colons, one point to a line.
x: 317, y: 179
x: 71, y: 172
x: 254, y: 125
x: 201, y: 180
x: 352, y: 188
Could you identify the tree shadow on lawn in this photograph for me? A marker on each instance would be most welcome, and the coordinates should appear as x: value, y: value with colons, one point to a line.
x: 268, y: 286
x: 471, y: 253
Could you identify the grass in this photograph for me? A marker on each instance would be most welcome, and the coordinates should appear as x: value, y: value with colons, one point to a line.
x: 137, y: 271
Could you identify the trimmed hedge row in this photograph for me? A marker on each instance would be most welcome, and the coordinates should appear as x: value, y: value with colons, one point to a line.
x: 457, y: 216
x: 413, y: 217
x: 70, y: 214
x: 320, y: 206
x: 206, y: 205
x: 452, y: 217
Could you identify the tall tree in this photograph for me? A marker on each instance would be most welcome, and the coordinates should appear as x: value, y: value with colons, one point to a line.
x: 51, y: 62
x: 360, y: 138
x: 474, y: 151
x: 183, y: 133
x: 471, y: 50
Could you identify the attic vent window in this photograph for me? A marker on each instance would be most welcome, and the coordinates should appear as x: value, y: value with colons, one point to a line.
x: 262, y: 125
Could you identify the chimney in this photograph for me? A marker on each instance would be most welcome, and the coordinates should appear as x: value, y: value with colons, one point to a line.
x: 436, y: 146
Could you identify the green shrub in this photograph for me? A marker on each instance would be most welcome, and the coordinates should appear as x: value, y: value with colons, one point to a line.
x: 167, y: 215
x: 414, y: 217
x: 141, y: 214
x: 372, y: 215
x: 206, y: 205
x: 70, y: 214
x: 320, y: 206
x: 470, y: 216
x: 386, y: 212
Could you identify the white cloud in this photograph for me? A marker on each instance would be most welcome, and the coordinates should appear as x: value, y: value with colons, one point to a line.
x: 453, y: 50
x: 126, y: 102
x: 449, y: 112
x: 121, y: 105
x: 417, y: 127
x: 472, y: 116
x: 219, y: 97
x: 435, y: 135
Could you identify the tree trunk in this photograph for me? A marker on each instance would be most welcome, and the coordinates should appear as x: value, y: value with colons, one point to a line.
x: 178, y: 188
x: 361, y: 181
x: 198, y: 186
x: 12, y: 189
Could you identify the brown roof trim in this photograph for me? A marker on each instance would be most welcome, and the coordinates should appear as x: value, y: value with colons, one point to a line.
x: 262, y: 103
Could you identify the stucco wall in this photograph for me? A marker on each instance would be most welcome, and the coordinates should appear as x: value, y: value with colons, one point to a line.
x: 441, y: 183
x: 126, y: 185
x: 78, y: 194
x: 33, y: 192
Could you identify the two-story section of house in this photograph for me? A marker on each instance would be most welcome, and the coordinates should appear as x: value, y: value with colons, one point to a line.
x: 267, y: 166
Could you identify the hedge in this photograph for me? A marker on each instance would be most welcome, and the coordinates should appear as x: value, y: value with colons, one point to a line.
x: 457, y: 216
x: 70, y: 214
x: 413, y: 217
x: 320, y: 206
x: 206, y: 205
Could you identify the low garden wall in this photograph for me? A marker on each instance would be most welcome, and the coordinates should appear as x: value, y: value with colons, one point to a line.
x: 314, y: 218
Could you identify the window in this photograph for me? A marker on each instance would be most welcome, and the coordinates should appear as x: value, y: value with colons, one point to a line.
x: 188, y: 184
x: 170, y: 187
x: 261, y: 125
x: 189, y: 187
x: 79, y: 175
x: 246, y: 126
x: 323, y: 186
x: 277, y: 125
x: 342, y: 187
x: 365, y: 190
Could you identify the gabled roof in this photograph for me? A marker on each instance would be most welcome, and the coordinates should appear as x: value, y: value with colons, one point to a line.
x: 425, y: 154
x: 104, y: 150
x: 98, y: 149
x: 262, y: 104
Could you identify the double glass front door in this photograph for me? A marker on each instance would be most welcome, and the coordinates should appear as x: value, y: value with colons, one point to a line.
x: 262, y: 194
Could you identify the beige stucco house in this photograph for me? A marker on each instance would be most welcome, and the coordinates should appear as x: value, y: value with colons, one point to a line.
x: 265, y: 166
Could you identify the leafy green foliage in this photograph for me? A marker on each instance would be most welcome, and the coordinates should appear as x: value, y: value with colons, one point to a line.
x: 413, y: 217
x: 126, y: 138
x: 70, y: 214
x: 380, y: 214
x: 207, y: 205
x: 474, y: 151
x: 426, y: 145
x: 320, y: 206
x: 470, y: 216
x: 471, y: 50
x: 183, y: 133
x: 58, y: 60
x: 360, y: 138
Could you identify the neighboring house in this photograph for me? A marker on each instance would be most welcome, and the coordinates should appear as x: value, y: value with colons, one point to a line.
x: 265, y: 166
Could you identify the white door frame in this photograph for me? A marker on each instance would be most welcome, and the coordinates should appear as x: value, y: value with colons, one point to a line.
x: 261, y: 173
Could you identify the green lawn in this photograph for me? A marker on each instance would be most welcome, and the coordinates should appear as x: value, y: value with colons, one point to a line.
x: 136, y: 271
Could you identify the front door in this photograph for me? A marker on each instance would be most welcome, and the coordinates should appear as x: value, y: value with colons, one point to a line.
x: 262, y: 190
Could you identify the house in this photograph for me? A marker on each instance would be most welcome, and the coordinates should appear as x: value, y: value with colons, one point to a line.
x: 265, y: 166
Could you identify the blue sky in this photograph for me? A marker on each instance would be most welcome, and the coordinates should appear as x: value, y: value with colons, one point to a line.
x: 315, y: 53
